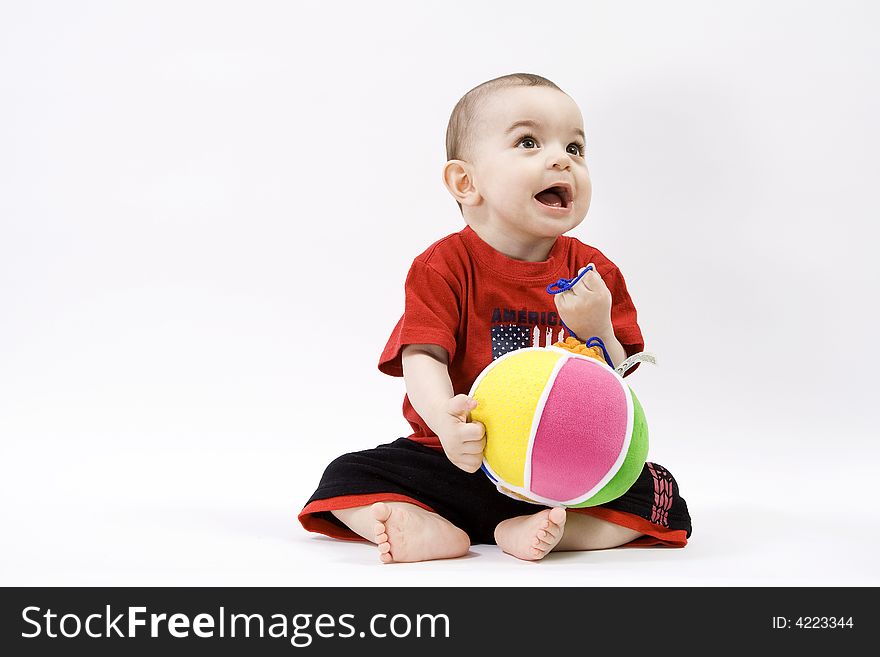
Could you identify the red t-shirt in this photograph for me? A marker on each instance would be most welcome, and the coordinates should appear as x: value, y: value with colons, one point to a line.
x: 478, y: 304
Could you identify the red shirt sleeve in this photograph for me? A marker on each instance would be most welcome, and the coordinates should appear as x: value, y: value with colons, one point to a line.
x: 432, y: 314
x: 623, y: 313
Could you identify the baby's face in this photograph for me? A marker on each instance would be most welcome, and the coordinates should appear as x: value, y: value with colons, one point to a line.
x: 530, y: 139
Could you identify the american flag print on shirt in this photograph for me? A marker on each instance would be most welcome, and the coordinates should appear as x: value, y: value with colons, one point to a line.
x: 509, y: 337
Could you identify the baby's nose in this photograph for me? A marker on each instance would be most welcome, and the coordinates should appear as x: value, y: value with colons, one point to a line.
x: 560, y: 161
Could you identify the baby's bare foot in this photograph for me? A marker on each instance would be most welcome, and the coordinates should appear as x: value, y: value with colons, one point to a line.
x: 405, y: 532
x: 531, y: 537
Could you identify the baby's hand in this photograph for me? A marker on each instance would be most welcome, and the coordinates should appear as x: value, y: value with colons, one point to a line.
x: 462, y: 440
x: 586, y: 307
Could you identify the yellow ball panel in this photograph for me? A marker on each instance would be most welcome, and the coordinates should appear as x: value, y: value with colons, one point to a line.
x: 507, y: 397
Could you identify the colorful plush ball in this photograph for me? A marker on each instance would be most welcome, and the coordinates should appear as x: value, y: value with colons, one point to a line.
x: 561, y: 428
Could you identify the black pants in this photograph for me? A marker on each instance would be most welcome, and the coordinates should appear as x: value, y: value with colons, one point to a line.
x: 470, y: 501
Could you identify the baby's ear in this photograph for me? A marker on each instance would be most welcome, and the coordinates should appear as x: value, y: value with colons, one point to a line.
x: 459, y: 181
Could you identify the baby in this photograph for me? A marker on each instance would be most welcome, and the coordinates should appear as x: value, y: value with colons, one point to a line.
x: 517, y: 169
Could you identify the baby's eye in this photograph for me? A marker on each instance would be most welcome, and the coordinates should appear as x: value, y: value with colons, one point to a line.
x: 525, y: 141
x: 579, y: 148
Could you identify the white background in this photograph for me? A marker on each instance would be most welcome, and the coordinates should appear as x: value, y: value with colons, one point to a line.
x: 207, y: 210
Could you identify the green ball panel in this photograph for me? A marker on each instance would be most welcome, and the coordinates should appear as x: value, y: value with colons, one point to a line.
x: 633, y: 463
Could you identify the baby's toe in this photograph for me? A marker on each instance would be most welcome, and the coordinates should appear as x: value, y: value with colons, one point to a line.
x: 557, y: 515
x: 381, y: 511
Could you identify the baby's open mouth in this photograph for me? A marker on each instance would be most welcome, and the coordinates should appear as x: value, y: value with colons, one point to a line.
x: 555, y: 197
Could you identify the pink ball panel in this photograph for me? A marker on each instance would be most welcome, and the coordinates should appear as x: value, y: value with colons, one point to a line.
x: 581, y: 431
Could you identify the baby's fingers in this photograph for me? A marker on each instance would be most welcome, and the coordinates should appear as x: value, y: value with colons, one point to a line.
x: 562, y: 301
x: 460, y: 407
x: 473, y: 447
x: 473, y: 430
x: 591, y: 280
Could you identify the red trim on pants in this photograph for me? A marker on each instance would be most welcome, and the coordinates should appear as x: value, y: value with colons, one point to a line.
x: 653, y: 534
x: 329, y: 528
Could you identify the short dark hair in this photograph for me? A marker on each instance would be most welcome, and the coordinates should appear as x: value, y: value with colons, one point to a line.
x: 460, y: 138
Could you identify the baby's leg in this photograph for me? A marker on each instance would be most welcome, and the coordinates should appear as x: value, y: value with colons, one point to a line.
x: 405, y: 532
x: 533, y: 537
x: 583, y: 532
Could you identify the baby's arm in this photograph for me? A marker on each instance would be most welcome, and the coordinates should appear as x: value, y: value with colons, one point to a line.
x: 429, y: 389
x: 586, y: 309
x: 613, y: 346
